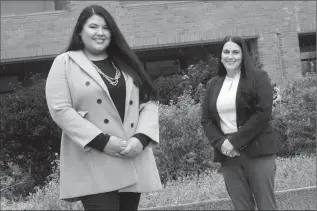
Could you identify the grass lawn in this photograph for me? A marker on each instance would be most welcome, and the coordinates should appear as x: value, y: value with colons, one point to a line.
x: 291, y: 173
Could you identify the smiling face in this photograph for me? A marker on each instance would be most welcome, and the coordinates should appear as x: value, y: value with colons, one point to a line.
x: 95, y: 35
x: 231, y: 56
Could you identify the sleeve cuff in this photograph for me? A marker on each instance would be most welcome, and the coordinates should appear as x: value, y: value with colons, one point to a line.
x: 99, y: 142
x: 144, y: 139
x: 220, y: 143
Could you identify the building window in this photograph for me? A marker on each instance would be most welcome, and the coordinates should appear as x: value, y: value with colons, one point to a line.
x: 307, y: 46
x: 60, y: 4
x: 28, y: 7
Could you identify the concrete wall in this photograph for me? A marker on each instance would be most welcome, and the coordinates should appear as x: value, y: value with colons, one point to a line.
x: 163, y: 23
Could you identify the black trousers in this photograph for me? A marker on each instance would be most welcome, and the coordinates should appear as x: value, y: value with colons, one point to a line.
x: 120, y: 201
x: 250, y: 181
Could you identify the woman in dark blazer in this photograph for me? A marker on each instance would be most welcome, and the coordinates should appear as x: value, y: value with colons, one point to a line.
x: 99, y: 94
x: 236, y: 114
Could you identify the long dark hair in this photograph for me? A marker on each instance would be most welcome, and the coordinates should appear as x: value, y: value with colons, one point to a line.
x: 247, y: 66
x: 117, y: 49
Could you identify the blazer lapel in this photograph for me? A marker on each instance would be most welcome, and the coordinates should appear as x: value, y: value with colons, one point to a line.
x: 215, y: 93
x: 239, y: 90
x: 216, y: 90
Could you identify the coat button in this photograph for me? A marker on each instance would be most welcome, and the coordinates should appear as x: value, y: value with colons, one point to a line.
x: 106, y: 121
x: 87, y: 83
x: 132, y: 125
x: 131, y: 102
x: 99, y: 101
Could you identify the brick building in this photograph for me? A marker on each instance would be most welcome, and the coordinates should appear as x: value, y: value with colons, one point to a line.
x: 282, y: 34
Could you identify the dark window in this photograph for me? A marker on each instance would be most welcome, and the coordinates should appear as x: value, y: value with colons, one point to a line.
x: 29, y: 7
x: 307, y: 46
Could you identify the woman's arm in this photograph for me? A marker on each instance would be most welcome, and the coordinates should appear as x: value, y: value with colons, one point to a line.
x: 144, y: 139
x: 59, y: 103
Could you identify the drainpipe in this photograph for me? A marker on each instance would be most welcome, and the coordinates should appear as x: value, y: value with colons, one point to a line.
x: 281, y: 56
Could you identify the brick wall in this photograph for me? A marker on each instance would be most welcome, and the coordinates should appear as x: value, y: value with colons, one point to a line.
x: 147, y: 24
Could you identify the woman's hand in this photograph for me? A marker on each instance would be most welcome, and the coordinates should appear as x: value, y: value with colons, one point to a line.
x: 115, y: 145
x: 228, y: 149
x: 134, y: 147
x: 233, y: 153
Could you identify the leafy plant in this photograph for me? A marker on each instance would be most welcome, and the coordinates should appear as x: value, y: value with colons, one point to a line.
x: 298, y: 116
x: 192, y: 78
x: 28, y: 134
x: 183, y: 148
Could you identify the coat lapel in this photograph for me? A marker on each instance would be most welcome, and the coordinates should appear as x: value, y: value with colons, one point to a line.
x: 86, y: 65
x: 128, y: 83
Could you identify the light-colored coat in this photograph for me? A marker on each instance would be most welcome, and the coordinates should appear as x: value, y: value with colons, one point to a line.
x: 73, y: 87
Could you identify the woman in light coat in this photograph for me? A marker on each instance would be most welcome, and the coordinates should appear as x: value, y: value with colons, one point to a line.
x: 99, y: 94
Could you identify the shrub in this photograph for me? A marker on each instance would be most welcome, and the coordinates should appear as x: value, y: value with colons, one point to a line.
x: 15, y: 181
x: 28, y: 133
x: 45, y: 197
x: 297, y: 118
x: 192, y: 78
x: 169, y: 88
x: 183, y: 148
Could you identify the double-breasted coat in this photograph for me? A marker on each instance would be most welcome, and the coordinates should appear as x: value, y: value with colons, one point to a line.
x: 80, y: 104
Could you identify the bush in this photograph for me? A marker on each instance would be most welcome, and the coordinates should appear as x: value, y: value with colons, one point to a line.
x: 28, y: 133
x: 169, y: 88
x: 183, y: 148
x: 45, y: 197
x: 15, y: 182
x: 193, y: 78
x: 296, y: 122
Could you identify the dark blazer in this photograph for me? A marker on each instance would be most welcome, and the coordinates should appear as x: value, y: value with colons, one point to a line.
x: 255, y: 135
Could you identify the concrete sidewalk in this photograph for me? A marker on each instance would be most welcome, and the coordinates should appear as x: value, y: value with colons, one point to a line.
x: 292, y: 199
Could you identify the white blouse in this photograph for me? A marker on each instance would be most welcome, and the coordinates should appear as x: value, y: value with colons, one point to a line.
x: 226, y: 104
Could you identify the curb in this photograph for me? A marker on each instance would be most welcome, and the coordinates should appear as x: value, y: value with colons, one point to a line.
x: 286, y: 200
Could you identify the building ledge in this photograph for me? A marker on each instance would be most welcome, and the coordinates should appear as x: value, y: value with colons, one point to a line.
x: 31, y: 58
x: 127, y: 4
x: 185, y: 44
x: 56, y: 12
